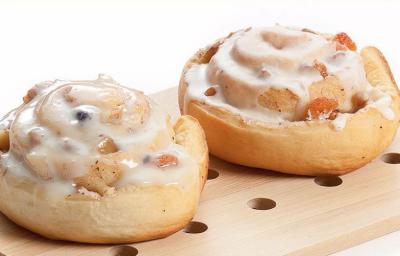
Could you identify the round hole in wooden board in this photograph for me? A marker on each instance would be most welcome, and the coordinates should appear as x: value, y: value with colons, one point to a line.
x: 212, y: 174
x: 391, y: 158
x: 195, y: 227
x: 123, y: 250
x: 261, y: 204
x: 328, y: 181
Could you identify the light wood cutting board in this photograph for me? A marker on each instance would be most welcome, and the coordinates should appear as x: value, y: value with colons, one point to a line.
x: 308, y: 219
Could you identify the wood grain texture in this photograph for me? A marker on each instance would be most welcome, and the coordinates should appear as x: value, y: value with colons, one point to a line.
x: 308, y: 219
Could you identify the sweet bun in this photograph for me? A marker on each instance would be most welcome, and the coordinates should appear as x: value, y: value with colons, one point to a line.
x: 292, y: 100
x: 96, y: 162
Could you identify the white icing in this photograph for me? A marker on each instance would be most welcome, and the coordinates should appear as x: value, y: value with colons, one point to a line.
x: 84, y: 191
x: 250, y: 62
x: 62, y: 147
x: 11, y: 164
x: 198, y: 84
x: 147, y: 174
x: 340, y: 121
x: 381, y: 102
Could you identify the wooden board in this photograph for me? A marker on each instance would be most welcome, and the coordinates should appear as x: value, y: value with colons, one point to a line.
x: 308, y: 219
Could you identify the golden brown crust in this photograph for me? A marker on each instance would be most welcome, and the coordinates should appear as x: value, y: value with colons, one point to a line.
x: 190, y: 135
x: 130, y: 214
x: 305, y: 148
x: 377, y: 68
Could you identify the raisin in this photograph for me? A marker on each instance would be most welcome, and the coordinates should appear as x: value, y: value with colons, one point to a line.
x: 146, y: 159
x: 82, y: 115
x: 210, y: 91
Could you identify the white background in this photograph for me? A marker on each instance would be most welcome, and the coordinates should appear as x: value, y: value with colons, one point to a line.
x: 145, y: 45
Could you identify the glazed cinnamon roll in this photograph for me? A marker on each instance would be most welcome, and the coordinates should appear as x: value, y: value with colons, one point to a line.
x: 96, y: 162
x: 292, y: 100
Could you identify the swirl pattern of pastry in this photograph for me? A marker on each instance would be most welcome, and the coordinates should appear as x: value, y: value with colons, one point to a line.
x: 278, y: 74
x: 271, y: 79
x: 98, y: 141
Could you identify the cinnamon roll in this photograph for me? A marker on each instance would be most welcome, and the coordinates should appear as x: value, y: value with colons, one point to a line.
x: 292, y: 100
x: 97, y: 162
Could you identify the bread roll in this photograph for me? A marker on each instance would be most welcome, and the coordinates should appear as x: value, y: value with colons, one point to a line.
x: 292, y: 100
x: 97, y: 162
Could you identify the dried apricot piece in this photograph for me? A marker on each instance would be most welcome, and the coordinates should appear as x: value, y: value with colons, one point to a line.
x: 343, y: 39
x: 165, y: 160
x: 320, y: 106
x: 29, y: 95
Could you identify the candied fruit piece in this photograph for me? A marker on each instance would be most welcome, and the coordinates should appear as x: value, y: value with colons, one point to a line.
x: 165, y: 160
x: 343, y: 39
x: 320, y: 106
x: 321, y: 68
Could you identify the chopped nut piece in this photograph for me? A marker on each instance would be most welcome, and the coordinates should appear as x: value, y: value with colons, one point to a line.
x: 210, y: 91
x: 321, y: 68
x: 343, y: 39
x: 29, y: 95
x: 165, y: 160
x: 4, y: 141
x: 107, y: 146
x: 320, y: 106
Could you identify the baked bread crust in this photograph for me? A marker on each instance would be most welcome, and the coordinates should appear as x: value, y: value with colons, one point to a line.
x: 129, y: 214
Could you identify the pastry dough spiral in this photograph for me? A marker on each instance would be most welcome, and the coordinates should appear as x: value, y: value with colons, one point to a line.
x: 264, y: 94
x: 85, y: 145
